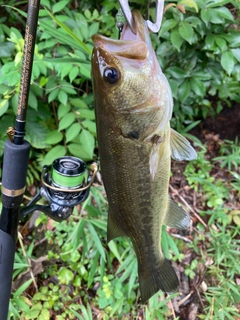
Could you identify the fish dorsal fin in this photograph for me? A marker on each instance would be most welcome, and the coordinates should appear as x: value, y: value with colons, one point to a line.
x: 176, y: 217
x: 181, y: 148
x: 113, y: 228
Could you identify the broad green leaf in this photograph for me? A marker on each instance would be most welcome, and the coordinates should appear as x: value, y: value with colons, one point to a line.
x: 93, y: 29
x: 79, y: 103
x: 222, y: 44
x: 215, y: 16
x: 87, y: 114
x: 177, y: 73
x: 227, y: 61
x: 65, y: 275
x: 87, y: 139
x: 214, y: 3
x: 66, y: 121
x: 236, y: 220
x: 66, y: 70
x: 167, y: 25
x: 236, y: 53
x: 63, y: 110
x: 53, y: 94
x: 81, y: 151
x: 45, y: 314
x: 63, y: 97
x: 3, y: 106
x: 72, y: 131
x: 209, y: 40
x: 54, y: 137
x: 190, y: 3
x: 4, y: 89
x: 6, y: 49
x: 68, y: 88
x: 205, y: 15
x: 74, y: 73
x: 32, y: 100
x: 193, y: 20
x: 186, y: 31
x: 36, y: 133
x: 198, y: 87
x: 59, y: 5
x: 54, y: 153
x: 225, y: 13
x: 90, y: 125
x: 176, y: 40
x: 184, y: 90
x: 85, y: 70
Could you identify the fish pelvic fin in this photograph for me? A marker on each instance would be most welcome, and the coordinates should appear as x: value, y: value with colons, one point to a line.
x: 176, y: 217
x: 155, y: 156
x: 113, y: 228
x: 163, y: 277
x: 181, y: 148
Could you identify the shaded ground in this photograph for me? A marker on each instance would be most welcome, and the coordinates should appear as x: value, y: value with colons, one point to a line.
x: 226, y: 124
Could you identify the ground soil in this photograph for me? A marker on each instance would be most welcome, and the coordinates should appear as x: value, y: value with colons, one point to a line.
x: 226, y: 124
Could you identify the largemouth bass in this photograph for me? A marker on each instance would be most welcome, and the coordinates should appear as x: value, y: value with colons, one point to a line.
x: 133, y: 105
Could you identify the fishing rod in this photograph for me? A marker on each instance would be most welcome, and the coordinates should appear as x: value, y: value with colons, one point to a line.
x: 64, y: 184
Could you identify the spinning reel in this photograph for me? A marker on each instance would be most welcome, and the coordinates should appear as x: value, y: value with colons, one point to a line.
x: 64, y: 184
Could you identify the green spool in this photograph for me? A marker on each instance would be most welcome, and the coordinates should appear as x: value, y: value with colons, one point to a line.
x: 68, y: 172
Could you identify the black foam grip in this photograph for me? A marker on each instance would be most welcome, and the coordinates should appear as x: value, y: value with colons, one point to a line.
x: 15, y: 164
x: 7, y: 251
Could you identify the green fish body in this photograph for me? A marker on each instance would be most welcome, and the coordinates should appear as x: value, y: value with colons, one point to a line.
x: 133, y: 105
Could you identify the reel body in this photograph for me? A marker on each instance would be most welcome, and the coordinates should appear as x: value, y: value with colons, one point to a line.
x: 64, y: 184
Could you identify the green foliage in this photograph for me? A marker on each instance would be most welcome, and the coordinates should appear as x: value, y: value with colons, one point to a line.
x: 221, y: 240
x: 229, y: 155
x: 199, y: 54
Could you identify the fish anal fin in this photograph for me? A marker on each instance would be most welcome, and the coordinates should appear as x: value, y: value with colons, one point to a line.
x: 176, y: 217
x: 163, y: 277
x: 113, y: 228
x: 181, y: 148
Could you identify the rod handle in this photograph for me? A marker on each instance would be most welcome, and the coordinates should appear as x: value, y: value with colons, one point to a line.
x: 7, y: 251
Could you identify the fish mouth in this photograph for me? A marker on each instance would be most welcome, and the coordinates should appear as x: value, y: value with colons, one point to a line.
x: 130, y: 45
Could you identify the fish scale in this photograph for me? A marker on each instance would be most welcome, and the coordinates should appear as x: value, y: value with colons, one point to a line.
x: 133, y: 106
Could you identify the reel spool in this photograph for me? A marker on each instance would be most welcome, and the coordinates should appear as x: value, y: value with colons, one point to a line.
x: 67, y: 182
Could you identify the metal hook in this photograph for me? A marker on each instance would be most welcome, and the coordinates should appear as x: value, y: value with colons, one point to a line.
x: 153, y: 27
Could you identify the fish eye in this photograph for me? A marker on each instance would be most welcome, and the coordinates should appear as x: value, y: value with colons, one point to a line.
x: 111, y: 75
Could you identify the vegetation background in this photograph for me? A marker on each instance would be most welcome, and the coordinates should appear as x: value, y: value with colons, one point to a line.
x: 67, y: 270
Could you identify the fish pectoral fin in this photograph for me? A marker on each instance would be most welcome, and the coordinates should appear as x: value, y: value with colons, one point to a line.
x: 176, y: 217
x: 155, y: 156
x: 161, y: 277
x: 181, y: 148
x: 113, y: 228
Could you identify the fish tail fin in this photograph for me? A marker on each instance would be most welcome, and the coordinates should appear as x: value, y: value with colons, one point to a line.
x: 163, y: 277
